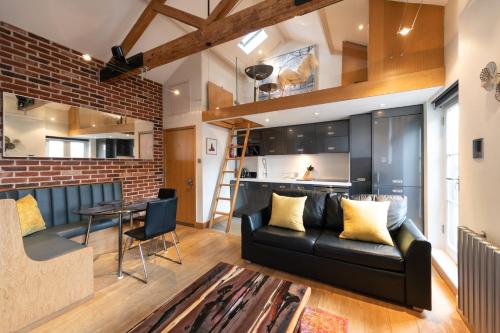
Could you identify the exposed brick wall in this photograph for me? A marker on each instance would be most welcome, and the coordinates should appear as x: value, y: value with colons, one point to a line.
x: 33, y: 66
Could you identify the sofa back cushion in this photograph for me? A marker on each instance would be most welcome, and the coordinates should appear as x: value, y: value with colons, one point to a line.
x: 334, y: 215
x: 314, y: 209
x: 57, y: 204
x: 397, y: 209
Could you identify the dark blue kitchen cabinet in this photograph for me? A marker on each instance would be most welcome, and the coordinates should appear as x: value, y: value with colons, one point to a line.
x: 273, y: 141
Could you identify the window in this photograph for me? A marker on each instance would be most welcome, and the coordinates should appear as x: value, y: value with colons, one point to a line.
x: 63, y: 147
x: 452, y: 180
x: 252, y: 40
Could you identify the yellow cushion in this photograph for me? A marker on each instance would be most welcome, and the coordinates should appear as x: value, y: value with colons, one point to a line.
x: 366, y: 221
x: 30, y: 218
x: 287, y: 212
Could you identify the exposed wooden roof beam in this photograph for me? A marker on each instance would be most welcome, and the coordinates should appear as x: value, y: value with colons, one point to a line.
x: 326, y: 29
x: 221, y: 10
x: 139, y: 26
x: 261, y: 15
x: 179, y: 15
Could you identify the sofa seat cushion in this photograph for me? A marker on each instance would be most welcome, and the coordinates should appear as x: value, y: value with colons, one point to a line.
x: 80, y: 228
x: 379, y: 256
x: 44, y: 245
x: 287, y: 239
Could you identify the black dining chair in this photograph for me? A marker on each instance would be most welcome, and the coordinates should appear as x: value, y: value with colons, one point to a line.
x: 160, y: 219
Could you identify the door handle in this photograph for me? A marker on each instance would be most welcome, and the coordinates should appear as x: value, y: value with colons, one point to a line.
x: 190, y: 181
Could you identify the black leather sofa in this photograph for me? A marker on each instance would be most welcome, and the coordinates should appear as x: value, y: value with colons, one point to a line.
x: 57, y: 205
x: 401, y: 274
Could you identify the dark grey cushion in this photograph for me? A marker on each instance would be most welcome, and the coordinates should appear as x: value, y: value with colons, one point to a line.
x: 397, y: 209
x: 380, y: 256
x: 314, y: 209
x: 79, y: 228
x: 44, y: 245
x: 334, y: 218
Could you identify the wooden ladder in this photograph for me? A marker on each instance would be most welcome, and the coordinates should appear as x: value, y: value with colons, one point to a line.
x: 216, y: 215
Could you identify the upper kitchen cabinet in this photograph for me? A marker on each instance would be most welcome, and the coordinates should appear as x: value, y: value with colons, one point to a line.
x: 333, y: 137
x: 254, y: 142
x: 273, y: 141
x: 397, y: 147
x: 301, y: 139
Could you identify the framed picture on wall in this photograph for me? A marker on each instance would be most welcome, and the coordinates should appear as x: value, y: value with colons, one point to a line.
x: 211, y: 146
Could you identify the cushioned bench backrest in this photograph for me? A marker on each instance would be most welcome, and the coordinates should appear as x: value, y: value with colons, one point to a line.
x: 58, y: 203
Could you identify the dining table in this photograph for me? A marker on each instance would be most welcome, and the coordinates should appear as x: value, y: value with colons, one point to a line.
x: 120, y: 208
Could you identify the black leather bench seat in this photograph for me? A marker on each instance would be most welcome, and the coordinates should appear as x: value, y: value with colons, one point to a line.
x: 44, y: 245
x: 288, y: 239
x: 380, y: 256
x: 80, y: 228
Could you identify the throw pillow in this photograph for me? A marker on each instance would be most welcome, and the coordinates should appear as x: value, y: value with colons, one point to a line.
x: 366, y: 221
x: 30, y: 218
x: 287, y: 212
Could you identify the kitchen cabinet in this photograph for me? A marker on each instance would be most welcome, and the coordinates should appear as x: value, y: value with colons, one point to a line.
x: 397, y: 150
x: 360, y: 144
x: 308, y: 187
x: 332, y: 137
x: 331, y: 189
x: 301, y: 139
x: 414, y: 197
x: 254, y: 142
x: 397, y: 156
x: 273, y: 142
x: 280, y: 186
x: 241, y: 203
x: 259, y: 195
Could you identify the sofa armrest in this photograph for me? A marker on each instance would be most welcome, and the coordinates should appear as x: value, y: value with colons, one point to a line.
x: 416, y: 251
x: 253, y: 221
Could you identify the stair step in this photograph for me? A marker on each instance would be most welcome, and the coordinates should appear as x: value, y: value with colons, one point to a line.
x: 220, y: 219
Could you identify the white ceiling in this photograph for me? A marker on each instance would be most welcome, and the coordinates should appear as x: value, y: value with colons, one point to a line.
x: 343, y: 109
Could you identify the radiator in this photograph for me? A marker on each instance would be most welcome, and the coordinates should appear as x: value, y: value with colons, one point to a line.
x: 478, y: 282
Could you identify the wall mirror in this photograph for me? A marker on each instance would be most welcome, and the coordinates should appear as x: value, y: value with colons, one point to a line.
x: 36, y: 128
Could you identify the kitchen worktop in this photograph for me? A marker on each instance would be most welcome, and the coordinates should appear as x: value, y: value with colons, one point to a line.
x: 319, y: 182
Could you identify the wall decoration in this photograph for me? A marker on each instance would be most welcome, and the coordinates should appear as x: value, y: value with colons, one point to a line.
x: 211, y: 146
x: 146, y: 143
x: 490, y: 79
x: 295, y: 72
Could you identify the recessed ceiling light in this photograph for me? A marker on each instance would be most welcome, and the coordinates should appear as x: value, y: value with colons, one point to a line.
x: 260, y: 51
x: 217, y: 108
x: 404, y: 31
x: 316, y: 113
x: 52, y: 119
x: 382, y: 105
x: 361, y: 27
x: 176, y: 92
x: 86, y: 57
x: 267, y: 120
x: 93, y: 125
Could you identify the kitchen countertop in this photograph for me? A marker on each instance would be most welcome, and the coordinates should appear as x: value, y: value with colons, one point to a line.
x: 320, y: 182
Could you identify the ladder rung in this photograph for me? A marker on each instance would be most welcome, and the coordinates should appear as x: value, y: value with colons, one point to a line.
x: 228, y: 171
x: 226, y: 184
x: 222, y: 213
x: 237, y: 146
x: 221, y: 198
x: 220, y: 219
x: 233, y: 158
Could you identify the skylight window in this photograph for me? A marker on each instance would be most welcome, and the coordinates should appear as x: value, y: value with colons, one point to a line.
x: 252, y: 40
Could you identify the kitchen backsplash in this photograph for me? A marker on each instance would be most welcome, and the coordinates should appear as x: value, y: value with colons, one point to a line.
x: 326, y: 166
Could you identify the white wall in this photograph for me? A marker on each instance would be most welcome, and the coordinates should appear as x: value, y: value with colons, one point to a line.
x: 479, y: 35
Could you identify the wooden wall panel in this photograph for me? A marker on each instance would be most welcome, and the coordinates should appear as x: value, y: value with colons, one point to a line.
x: 354, y: 63
x: 218, y: 96
x: 391, y: 54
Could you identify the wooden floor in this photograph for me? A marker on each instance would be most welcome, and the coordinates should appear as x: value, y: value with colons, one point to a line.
x: 119, y: 304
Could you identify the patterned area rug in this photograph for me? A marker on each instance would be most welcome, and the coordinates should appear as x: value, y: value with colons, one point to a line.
x: 319, y: 321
